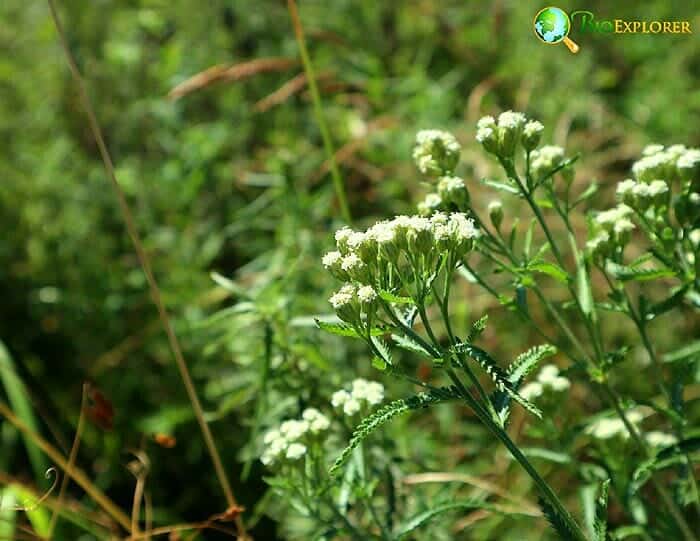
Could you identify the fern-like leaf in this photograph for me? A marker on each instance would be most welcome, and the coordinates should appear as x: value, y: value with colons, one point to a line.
x: 498, y: 375
x: 557, y: 522
x: 527, y: 361
x: 478, y: 327
x: 386, y: 413
x: 600, y: 526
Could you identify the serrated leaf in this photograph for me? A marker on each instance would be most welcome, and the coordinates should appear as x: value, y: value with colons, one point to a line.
x: 386, y: 413
x: 498, y: 375
x: 422, y: 518
x: 527, y: 361
x: 384, y: 350
x: 551, y: 269
x: 407, y: 343
x: 600, y: 526
x: 343, y: 329
x: 478, y: 327
x: 556, y: 521
x: 671, y: 302
x: 625, y: 273
x: 391, y: 297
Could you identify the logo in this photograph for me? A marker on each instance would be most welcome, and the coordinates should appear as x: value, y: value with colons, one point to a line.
x: 552, y: 25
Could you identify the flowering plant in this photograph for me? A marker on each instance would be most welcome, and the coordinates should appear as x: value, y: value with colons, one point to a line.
x: 398, y: 278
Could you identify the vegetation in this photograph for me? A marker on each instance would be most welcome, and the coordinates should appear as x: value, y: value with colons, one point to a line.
x: 495, y: 361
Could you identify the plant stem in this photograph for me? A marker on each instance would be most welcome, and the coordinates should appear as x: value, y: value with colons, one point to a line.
x: 145, y: 263
x: 318, y: 112
x: 73, y: 472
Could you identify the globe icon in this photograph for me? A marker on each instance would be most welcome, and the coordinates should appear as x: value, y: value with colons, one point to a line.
x: 552, y: 25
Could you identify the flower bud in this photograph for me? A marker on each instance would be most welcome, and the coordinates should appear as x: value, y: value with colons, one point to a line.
x: 345, y: 304
x: 332, y: 261
x: 430, y: 204
x: 487, y: 134
x: 496, y: 213
x: 453, y: 190
x: 341, y: 239
x: 510, y: 126
x: 420, y: 236
x: 545, y: 160
x: 355, y: 267
x: 694, y: 237
x: 436, y: 152
x: 688, y: 165
x: 532, y: 133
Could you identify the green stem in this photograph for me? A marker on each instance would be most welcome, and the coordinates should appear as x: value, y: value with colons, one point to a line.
x: 318, y: 112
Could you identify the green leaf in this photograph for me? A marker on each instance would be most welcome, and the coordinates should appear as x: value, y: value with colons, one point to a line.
x: 557, y: 522
x: 8, y: 514
x: 19, y: 401
x: 407, y: 343
x: 551, y: 269
x: 422, y: 518
x: 600, y: 525
x: 528, y: 239
x: 343, y: 329
x: 689, y: 353
x: 498, y: 375
x: 478, y: 327
x: 671, y: 302
x: 385, y: 414
x: 587, y: 194
x: 384, y: 350
x: 585, y: 296
x: 546, y: 454
x: 625, y: 273
x: 396, y: 299
x: 501, y: 186
x: 527, y: 361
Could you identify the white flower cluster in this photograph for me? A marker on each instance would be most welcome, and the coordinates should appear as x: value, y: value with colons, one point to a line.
x: 606, y: 428
x: 436, y: 152
x: 363, y: 258
x: 547, y: 379
x: 502, y: 138
x: 546, y: 160
x: 660, y: 163
x: 656, y: 438
x: 612, y: 228
x: 289, y: 441
x: 362, y: 391
x: 642, y: 195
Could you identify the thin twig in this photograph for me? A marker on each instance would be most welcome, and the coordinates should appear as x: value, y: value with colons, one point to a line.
x: 73, y: 472
x: 71, y: 461
x: 318, y: 111
x: 146, y: 266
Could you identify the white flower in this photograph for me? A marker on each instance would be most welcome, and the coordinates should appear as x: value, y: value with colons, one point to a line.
x: 332, y: 259
x: 656, y: 438
x: 341, y: 239
x: 652, y: 149
x: 366, y: 294
x: 657, y: 187
x: 339, y: 398
x: 436, y: 152
x: 625, y: 188
x: 689, y: 162
x: 351, y: 407
x: 598, y: 242
x: 548, y: 374
x: 560, y: 384
x: 271, y: 436
x: 317, y: 421
x: 694, y: 237
x: 607, y: 218
x: 531, y: 390
x: 511, y: 120
x: 545, y: 160
x: 623, y: 226
x: 605, y: 429
x: 343, y: 297
x: 486, y: 122
x: 295, y: 451
x: 462, y: 228
x: 431, y: 202
x: 368, y: 391
x: 532, y: 133
x: 351, y: 263
x: 293, y: 430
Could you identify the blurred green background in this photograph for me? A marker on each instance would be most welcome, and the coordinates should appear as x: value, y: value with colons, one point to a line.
x: 231, y: 178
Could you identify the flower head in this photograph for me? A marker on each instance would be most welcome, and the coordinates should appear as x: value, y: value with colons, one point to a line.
x: 436, y: 152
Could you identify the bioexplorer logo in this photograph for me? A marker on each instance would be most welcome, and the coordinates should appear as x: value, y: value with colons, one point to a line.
x: 552, y: 25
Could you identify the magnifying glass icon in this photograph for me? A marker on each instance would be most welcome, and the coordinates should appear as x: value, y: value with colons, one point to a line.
x: 552, y: 25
